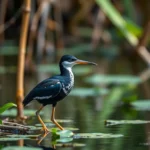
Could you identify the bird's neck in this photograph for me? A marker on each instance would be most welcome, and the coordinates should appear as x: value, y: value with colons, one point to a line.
x: 67, y: 71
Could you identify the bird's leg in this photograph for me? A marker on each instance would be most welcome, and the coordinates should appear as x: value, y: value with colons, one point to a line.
x: 41, y: 121
x: 54, y: 121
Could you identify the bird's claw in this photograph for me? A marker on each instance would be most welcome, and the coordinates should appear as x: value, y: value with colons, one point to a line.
x: 46, y: 131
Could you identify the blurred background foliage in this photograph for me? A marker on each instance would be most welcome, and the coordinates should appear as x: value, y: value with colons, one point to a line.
x: 112, y: 33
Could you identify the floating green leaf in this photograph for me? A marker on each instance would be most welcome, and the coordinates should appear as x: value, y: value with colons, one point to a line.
x: 97, y: 135
x: 48, y: 124
x: 64, y: 140
x: 22, y: 136
x: 70, y: 145
x: 69, y: 128
x: 84, y: 92
x: 65, y: 133
x: 62, y: 136
x: 119, y: 122
x: 7, y: 106
x: 113, y: 79
x: 12, y: 139
x: 60, y: 121
x: 141, y: 105
x: 21, y: 148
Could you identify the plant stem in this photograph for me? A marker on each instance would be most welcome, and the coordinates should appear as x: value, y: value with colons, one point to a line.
x: 21, y: 59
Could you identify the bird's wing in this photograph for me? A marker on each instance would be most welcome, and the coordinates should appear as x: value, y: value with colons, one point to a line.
x: 45, y: 90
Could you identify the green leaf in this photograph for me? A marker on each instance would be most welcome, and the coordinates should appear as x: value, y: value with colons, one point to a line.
x: 7, y: 106
x: 142, y: 105
x: 97, y: 135
x: 48, y: 124
x: 12, y: 139
x: 22, y: 136
x: 69, y: 128
x: 70, y: 145
x: 64, y: 140
x: 21, y: 148
x: 117, y: 20
x: 119, y: 122
x: 65, y: 133
x: 133, y: 28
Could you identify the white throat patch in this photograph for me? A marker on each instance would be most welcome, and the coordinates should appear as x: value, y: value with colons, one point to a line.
x: 67, y: 64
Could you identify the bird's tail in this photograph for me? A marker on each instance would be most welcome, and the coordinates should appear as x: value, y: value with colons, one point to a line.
x: 24, y: 103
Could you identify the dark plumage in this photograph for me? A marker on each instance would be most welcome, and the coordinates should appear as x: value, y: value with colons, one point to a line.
x: 54, y: 89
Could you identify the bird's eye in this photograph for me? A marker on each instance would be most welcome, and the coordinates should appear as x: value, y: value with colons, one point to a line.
x: 72, y: 59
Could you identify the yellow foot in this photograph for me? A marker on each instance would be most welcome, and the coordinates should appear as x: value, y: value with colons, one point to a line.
x: 46, y: 131
x: 41, y: 137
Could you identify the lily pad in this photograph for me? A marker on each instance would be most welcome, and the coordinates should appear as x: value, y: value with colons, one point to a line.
x: 69, y: 128
x: 96, y: 135
x: 70, y: 145
x: 142, y: 105
x: 12, y: 139
x: 60, y: 121
x: 113, y: 79
x: 48, y: 124
x: 84, y: 92
x: 64, y: 140
x: 65, y: 133
x: 20, y: 148
x: 22, y: 136
x: 119, y: 122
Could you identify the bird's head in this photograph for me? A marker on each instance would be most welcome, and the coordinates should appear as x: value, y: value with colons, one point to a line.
x: 68, y: 61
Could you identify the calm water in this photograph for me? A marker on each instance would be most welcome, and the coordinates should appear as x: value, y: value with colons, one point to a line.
x: 86, y: 114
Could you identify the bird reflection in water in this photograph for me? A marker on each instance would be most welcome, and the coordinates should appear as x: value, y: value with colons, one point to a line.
x: 42, y: 137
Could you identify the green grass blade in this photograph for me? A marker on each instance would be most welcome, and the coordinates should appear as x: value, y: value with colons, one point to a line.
x: 117, y: 20
x: 7, y: 106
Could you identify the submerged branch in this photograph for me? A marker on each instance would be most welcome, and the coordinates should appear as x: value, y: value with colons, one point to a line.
x: 14, y: 128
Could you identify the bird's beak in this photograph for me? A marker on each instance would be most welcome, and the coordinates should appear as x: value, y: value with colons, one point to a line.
x: 83, y: 62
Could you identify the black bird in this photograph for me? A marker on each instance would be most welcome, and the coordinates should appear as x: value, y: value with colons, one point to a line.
x: 54, y: 89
